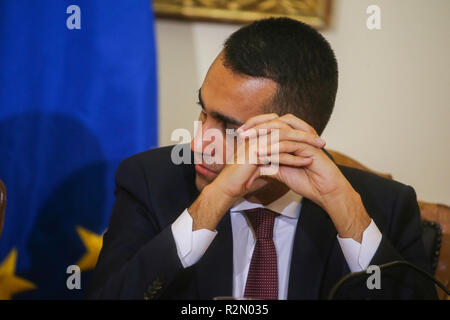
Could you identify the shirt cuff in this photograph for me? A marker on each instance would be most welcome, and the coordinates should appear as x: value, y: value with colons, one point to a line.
x: 358, y: 255
x: 191, y: 245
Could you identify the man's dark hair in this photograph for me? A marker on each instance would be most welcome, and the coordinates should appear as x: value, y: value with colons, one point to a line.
x: 296, y: 57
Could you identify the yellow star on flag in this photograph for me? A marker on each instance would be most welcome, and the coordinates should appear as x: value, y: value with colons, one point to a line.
x: 10, y: 284
x: 93, y: 243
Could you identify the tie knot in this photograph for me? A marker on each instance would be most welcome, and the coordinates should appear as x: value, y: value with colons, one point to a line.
x: 262, y: 221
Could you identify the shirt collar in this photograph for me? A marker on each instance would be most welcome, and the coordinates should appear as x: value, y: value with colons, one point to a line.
x: 287, y: 205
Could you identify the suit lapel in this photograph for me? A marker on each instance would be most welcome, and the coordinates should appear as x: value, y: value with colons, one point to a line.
x: 215, y: 268
x: 314, y: 237
x: 214, y: 271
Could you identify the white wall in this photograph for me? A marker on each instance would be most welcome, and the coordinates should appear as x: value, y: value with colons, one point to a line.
x: 393, y: 106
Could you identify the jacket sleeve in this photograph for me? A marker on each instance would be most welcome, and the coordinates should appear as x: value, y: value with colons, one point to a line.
x: 139, y: 257
x: 403, y: 241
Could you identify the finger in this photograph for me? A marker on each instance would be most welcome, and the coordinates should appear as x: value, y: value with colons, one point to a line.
x: 285, y: 133
x: 299, y: 148
x: 281, y: 147
x: 285, y: 159
x: 257, y: 120
x: 297, y: 123
x: 301, y: 136
x: 264, y: 128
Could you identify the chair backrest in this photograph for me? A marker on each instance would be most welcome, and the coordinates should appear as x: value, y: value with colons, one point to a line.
x: 440, y: 214
x: 345, y: 160
x: 2, y: 205
x: 435, y: 226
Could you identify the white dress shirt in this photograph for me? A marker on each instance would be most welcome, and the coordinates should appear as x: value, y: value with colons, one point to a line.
x: 191, y: 245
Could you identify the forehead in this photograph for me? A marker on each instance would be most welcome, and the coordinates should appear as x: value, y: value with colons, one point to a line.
x: 235, y: 95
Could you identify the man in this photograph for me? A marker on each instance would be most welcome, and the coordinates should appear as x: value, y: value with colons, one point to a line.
x: 224, y: 228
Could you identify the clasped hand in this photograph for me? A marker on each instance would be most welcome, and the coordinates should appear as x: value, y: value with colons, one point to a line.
x: 303, y: 166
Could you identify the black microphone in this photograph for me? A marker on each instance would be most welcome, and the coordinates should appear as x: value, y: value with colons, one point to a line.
x: 354, y: 275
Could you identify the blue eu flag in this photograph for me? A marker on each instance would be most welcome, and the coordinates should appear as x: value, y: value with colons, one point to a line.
x: 77, y: 95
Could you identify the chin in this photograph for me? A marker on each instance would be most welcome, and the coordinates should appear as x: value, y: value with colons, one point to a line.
x: 201, y: 182
x: 259, y: 184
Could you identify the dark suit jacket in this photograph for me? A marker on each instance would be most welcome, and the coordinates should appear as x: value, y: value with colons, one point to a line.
x: 139, y: 257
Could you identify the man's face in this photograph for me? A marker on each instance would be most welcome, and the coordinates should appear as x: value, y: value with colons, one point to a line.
x: 228, y: 100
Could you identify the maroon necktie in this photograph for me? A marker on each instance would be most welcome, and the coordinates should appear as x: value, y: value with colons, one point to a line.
x: 262, y: 279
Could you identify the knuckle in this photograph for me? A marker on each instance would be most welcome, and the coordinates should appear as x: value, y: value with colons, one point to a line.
x: 289, y: 116
x: 286, y: 145
x: 295, y: 134
x: 278, y: 122
x: 283, y: 145
x: 311, y: 135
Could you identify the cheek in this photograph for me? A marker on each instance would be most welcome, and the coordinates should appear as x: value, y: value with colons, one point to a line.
x: 229, y: 148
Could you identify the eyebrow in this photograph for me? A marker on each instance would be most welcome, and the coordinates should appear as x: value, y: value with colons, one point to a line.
x: 219, y: 115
